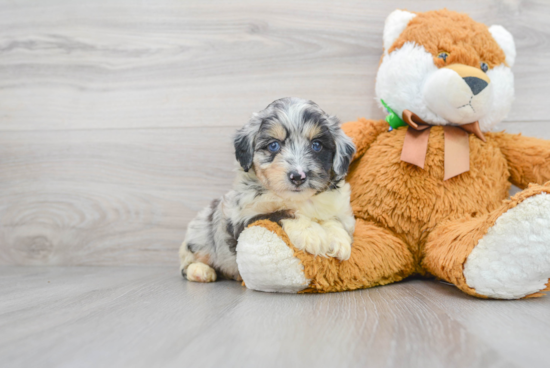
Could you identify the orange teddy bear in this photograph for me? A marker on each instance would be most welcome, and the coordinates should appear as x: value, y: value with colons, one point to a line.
x: 429, y: 190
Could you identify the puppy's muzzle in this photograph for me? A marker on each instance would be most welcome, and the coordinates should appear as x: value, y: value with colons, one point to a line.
x: 297, y: 178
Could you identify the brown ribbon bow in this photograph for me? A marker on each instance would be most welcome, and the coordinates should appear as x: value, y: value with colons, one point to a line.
x: 457, y: 144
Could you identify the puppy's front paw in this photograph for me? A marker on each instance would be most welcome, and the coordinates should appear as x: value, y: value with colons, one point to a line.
x: 341, y: 247
x: 339, y: 240
x: 200, y: 272
x: 307, y: 235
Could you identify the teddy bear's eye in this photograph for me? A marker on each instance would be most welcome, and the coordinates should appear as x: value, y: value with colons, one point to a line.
x: 484, y: 67
x: 443, y: 55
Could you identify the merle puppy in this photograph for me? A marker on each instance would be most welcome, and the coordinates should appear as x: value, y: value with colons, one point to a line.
x: 293, y: 159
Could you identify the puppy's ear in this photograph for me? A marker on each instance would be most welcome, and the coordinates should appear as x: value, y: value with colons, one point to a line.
x: 345, y: 149
x: 244, y: 142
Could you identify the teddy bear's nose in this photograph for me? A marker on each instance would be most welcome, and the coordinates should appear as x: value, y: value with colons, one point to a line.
x: 476, y: 84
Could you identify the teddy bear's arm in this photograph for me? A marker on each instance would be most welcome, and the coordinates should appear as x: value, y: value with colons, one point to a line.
x: 528, y: 158
x: 363, y: 132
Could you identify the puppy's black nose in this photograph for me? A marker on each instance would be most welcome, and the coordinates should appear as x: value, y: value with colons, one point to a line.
x: 297, y: 178
x: 476, y: 84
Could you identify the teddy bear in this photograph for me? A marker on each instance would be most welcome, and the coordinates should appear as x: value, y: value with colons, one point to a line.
x: 429, y: 184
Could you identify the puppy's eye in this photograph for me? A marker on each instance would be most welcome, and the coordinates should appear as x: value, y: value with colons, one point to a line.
x: 484, y: 67
x: 443, y: 55
x: 274, y: 147
x: 316, y: 146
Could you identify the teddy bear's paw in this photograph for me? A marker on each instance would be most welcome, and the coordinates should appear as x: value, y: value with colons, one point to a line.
x: 513, y: 259
x: 267, y: 263
x: 339, y: 240
x: 307, y: 235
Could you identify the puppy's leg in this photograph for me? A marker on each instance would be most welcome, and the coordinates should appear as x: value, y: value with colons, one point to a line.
x: 307, y: 235
x: 193, y: 266
x: 338, y: 238
x: 186, y: 258
x: 199, y: 245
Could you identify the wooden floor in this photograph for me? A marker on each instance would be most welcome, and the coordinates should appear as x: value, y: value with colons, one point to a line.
x: 150, y: 317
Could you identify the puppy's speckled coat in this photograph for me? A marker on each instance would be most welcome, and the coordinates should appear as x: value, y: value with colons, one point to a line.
x: 293, y: 158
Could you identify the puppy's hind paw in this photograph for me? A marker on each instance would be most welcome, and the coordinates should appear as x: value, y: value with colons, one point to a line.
x: 200, y: 272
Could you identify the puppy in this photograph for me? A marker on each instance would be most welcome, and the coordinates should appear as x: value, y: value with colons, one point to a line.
x: 293, y: 159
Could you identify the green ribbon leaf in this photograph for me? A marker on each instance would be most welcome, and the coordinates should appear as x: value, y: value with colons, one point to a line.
x: 393, y: 119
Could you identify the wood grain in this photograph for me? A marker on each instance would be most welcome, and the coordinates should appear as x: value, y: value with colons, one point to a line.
x: 116, y: 117
x: 107, y: 197
x: 151, y: 317
x: 506, y: 326
x: 122, y: 64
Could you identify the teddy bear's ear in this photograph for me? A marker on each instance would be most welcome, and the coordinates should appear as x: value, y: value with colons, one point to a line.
x: 395, y: 23
x: 506, y: 42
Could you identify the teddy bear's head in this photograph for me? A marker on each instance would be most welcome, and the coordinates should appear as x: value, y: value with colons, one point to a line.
x: 446, y: 68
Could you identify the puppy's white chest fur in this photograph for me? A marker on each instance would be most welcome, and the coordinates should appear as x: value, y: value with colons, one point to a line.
x: 321, y: 207
x: 326, y: 205
x: 322, y: 224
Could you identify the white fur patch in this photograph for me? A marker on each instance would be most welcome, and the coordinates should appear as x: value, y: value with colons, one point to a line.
x: 338, y: 239
x: 401, y: 78
x: 327, y: 238
x: 394, y: 25
x: 502, y: 80
x: 266, y: 263
x: 324, y: 224
x: 513, y: 259
x: 307, y: 235
x: 506, y: 42
x: 449, y: 96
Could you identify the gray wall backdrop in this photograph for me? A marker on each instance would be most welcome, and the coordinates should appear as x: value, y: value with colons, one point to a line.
x: 116, y: 116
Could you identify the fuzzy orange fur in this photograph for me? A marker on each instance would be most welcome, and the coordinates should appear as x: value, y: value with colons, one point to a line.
x: 528, y: 158
x: 466, y: 41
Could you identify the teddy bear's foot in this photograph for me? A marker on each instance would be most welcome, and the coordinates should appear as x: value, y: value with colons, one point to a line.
x: 503, y: 254
x: 267, y: 263
x: 513, y: 259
